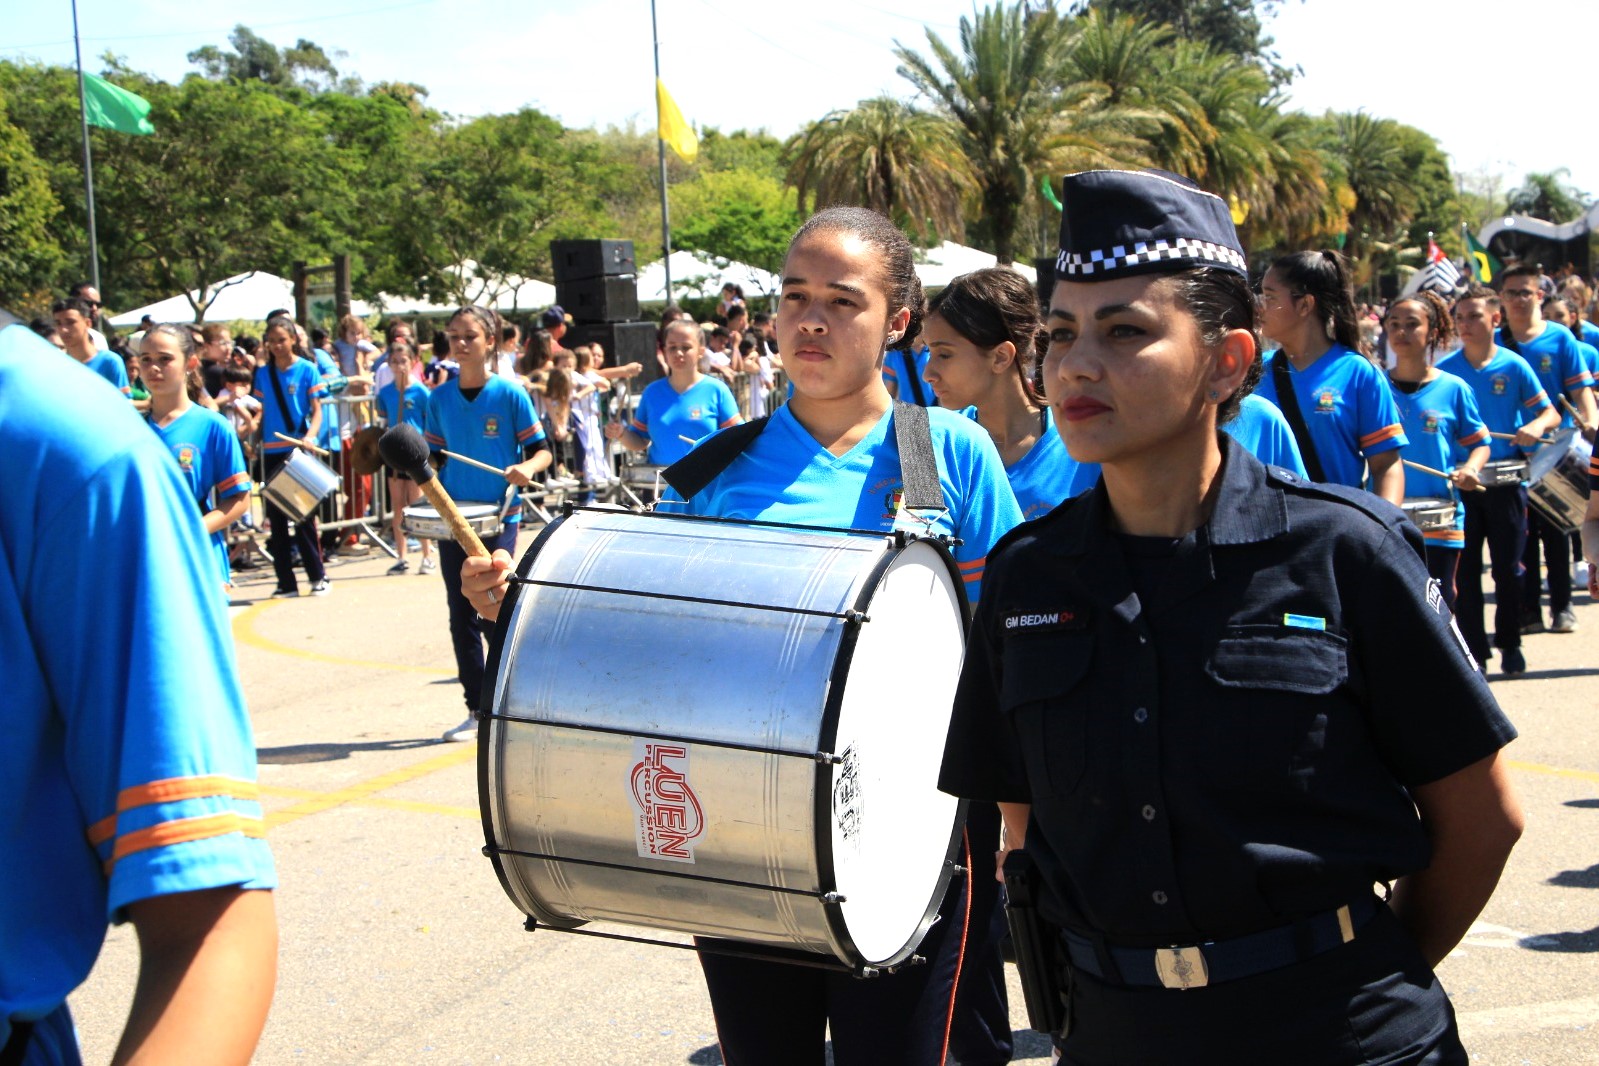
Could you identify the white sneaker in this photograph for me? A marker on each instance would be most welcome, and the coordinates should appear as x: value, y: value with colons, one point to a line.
x: 464, y: 732
x: 428, y: 565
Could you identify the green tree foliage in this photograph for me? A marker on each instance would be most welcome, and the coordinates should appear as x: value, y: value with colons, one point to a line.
x: 1228, y: 27
x: 256, y: 59
x: 30, y: 258
x: 885, y: 154
x: 1549, y: 197
x: 735, y: 214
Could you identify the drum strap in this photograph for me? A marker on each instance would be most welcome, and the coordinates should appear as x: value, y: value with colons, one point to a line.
x: 283, y: 406
x: 918, y: 466
x: 914, y: 378
x: 1288, y: 400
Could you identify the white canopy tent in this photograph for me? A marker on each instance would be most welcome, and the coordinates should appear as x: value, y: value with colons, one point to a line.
x: 699, y: 274
x: 939, y: 266
x: 507, y: 294
x: 249, y: 297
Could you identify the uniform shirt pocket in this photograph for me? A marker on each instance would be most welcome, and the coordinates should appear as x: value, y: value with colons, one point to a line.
x: 1040, y: 673
x: 1277, y: 692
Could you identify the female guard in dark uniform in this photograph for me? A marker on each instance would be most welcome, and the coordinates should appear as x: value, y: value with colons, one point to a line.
x: 1216, y: 703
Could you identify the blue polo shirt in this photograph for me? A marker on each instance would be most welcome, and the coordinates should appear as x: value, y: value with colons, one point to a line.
x: 1442, y: 424
x: 128, y: 770
x: 1347, y: 408
x: 302, y: 389
x: 1507, y: 392
x: 665, y: 416
x: 786, y: 476
x: 492, y: 428
x: 894, y: 374
x: 1043, y: 477
x: 212, y: 464
x: 412, y: 409
x: 110, y: 366
x: 1556, y: 359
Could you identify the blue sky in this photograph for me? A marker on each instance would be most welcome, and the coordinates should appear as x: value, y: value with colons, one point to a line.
x: 762, y: 64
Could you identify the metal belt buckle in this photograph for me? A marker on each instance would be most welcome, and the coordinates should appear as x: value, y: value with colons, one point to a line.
x: 1182, y: 967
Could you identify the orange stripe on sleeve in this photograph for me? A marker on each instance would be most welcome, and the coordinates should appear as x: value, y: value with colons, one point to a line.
x: 1385, y: 433
x: 1476, y: 438
x: 975, y: 564
x: 1540, y: 400
x: 183, y: 831
x: 172, y: 790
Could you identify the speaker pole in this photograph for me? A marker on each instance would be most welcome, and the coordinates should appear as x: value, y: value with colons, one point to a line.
x: 660, y: 148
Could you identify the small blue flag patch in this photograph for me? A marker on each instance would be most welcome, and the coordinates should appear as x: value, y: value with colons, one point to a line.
x: 1304, y: 621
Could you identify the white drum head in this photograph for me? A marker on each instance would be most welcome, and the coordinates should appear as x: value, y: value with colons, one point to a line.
x: 891, y: 826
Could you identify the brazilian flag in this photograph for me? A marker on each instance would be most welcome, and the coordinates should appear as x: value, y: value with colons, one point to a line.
x: 1484, y: 264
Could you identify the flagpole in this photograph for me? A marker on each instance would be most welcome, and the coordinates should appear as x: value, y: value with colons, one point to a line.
x: 88, y: 158
x: 660, y: 148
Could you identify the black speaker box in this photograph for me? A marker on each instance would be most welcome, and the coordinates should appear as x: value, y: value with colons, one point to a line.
x: 576, y: 260
x: 1046, y: 282
x: 602, y: 299
x: 624, y: 342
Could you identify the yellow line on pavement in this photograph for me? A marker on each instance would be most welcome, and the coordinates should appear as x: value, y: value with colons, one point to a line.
x: 1553, y: 771
x: 365, y: 789
x: 375, y: 801
x: 244, y: 633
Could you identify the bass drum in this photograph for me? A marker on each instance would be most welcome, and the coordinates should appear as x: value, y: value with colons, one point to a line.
x: 727, y: 729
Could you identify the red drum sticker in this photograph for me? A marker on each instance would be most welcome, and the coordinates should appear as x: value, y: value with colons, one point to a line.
x: 669, y: 816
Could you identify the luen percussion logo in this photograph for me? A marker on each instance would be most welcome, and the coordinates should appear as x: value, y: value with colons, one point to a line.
x: 670, y: 819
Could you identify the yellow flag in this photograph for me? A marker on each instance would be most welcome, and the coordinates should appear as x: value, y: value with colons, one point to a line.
x: 675, y: 130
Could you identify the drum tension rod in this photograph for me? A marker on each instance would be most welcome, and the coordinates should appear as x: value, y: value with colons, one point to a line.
x: 857, y: 617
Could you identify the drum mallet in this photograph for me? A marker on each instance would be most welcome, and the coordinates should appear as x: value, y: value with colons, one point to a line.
x: 404, y: 449
x: 1435, y: 472
x: 1573, y: 412
x: 1512, y: 436
x: 298, y: 443
x: 469, y: 461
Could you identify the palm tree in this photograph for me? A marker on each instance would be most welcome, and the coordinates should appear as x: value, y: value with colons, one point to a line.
x: 889, y: 156
x: 1368, y: 154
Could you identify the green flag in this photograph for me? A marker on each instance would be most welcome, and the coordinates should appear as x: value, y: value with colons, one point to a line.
x: 1484, y: 264
x: 111, y: 107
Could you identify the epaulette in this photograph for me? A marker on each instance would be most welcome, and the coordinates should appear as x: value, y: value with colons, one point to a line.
x: 1373, y: 506
x: 1036, y: 525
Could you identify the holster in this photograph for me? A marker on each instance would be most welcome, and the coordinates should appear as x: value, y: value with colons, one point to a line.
x: 1040, y: 958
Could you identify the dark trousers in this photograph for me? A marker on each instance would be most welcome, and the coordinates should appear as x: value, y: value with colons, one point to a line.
x: 467, y: 630
x: 1373, y: 1000
x: 278, y: 539
x: 1443, y: 564
x: 772, y: 1014
x: 1499, y: 517
x: 1557, y: 553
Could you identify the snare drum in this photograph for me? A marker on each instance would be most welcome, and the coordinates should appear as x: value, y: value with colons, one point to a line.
x: 706, y: 726
x: 300, y: 485
x: 1558, y: 480
x: 1430, y: 514
x: 422, y: 520
x: 1503, y: 472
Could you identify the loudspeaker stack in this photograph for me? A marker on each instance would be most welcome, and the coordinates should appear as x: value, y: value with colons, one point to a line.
x: 596, y: 282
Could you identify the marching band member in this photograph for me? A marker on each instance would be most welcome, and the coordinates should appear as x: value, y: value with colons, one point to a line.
x: 1441, y: 422
x: 1340, y: 408
x: 1171, y: 689
x: 487, y: 417
x: 678, y: 411
x: 290, y: 390
x: 831, y: 457
x: 204, y: 444
x: 1512, y: 403
x: 404, y: 399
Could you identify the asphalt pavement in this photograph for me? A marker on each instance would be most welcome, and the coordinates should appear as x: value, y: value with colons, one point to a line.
x: 399, y: 946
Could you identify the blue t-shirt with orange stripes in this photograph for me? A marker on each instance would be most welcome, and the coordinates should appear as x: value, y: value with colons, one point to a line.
x: 665, y: 416
x: 300, y: 387
x: 1507, y: 392
x: 1347, y: 408
x: 786, y: 476
x: 1442, y: 424
x: 128, y: 770
x: 1556, y: 359
x: 493, y: 427
x: 212, y: 464
x: 110, y: 366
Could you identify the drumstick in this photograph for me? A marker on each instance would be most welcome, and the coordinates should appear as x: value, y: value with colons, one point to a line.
x: 298, y: 443
x: 473, y: 462
x: 1572, y: 411
x: 1512, y: 436
x: 686, y: 440
x: 1437, y: 473
x: 404, y: 449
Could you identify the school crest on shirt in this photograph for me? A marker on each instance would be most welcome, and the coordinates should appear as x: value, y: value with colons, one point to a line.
x: 1546, y: 363
x: 185, y: 456
x: 1500, y: 383
x: 1327, y: 399
x: 293, y: 388
x: 1429, y: 421
x: 696, y: 413
x: 491, y: 427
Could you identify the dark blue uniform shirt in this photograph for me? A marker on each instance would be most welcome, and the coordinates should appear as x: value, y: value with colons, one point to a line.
x: 1217, y: 733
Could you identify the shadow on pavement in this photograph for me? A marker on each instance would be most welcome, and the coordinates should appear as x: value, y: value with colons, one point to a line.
x: 1547, y: 675
x: 303, y: 753
x: 1588, y: 878
x: 1591, y: 803
x: 1564, y: 942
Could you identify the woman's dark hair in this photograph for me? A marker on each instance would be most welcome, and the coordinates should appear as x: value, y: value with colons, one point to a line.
x: 1440, y: 323
x: 540, y: 346
x: 1222, y: 301
x: 991, y: 306
x: 680, y: 323
x: 900, y: 283
x: 1324, y: 275
x: 182, y: 336
x: 488, y: 318
x: 441, y: 345
x: 287, y: 324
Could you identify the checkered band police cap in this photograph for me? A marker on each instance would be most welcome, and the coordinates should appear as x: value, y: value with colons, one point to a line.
x: 1118, y: 223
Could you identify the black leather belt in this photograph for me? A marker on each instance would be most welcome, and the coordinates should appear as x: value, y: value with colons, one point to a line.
x: 1215, y: 961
